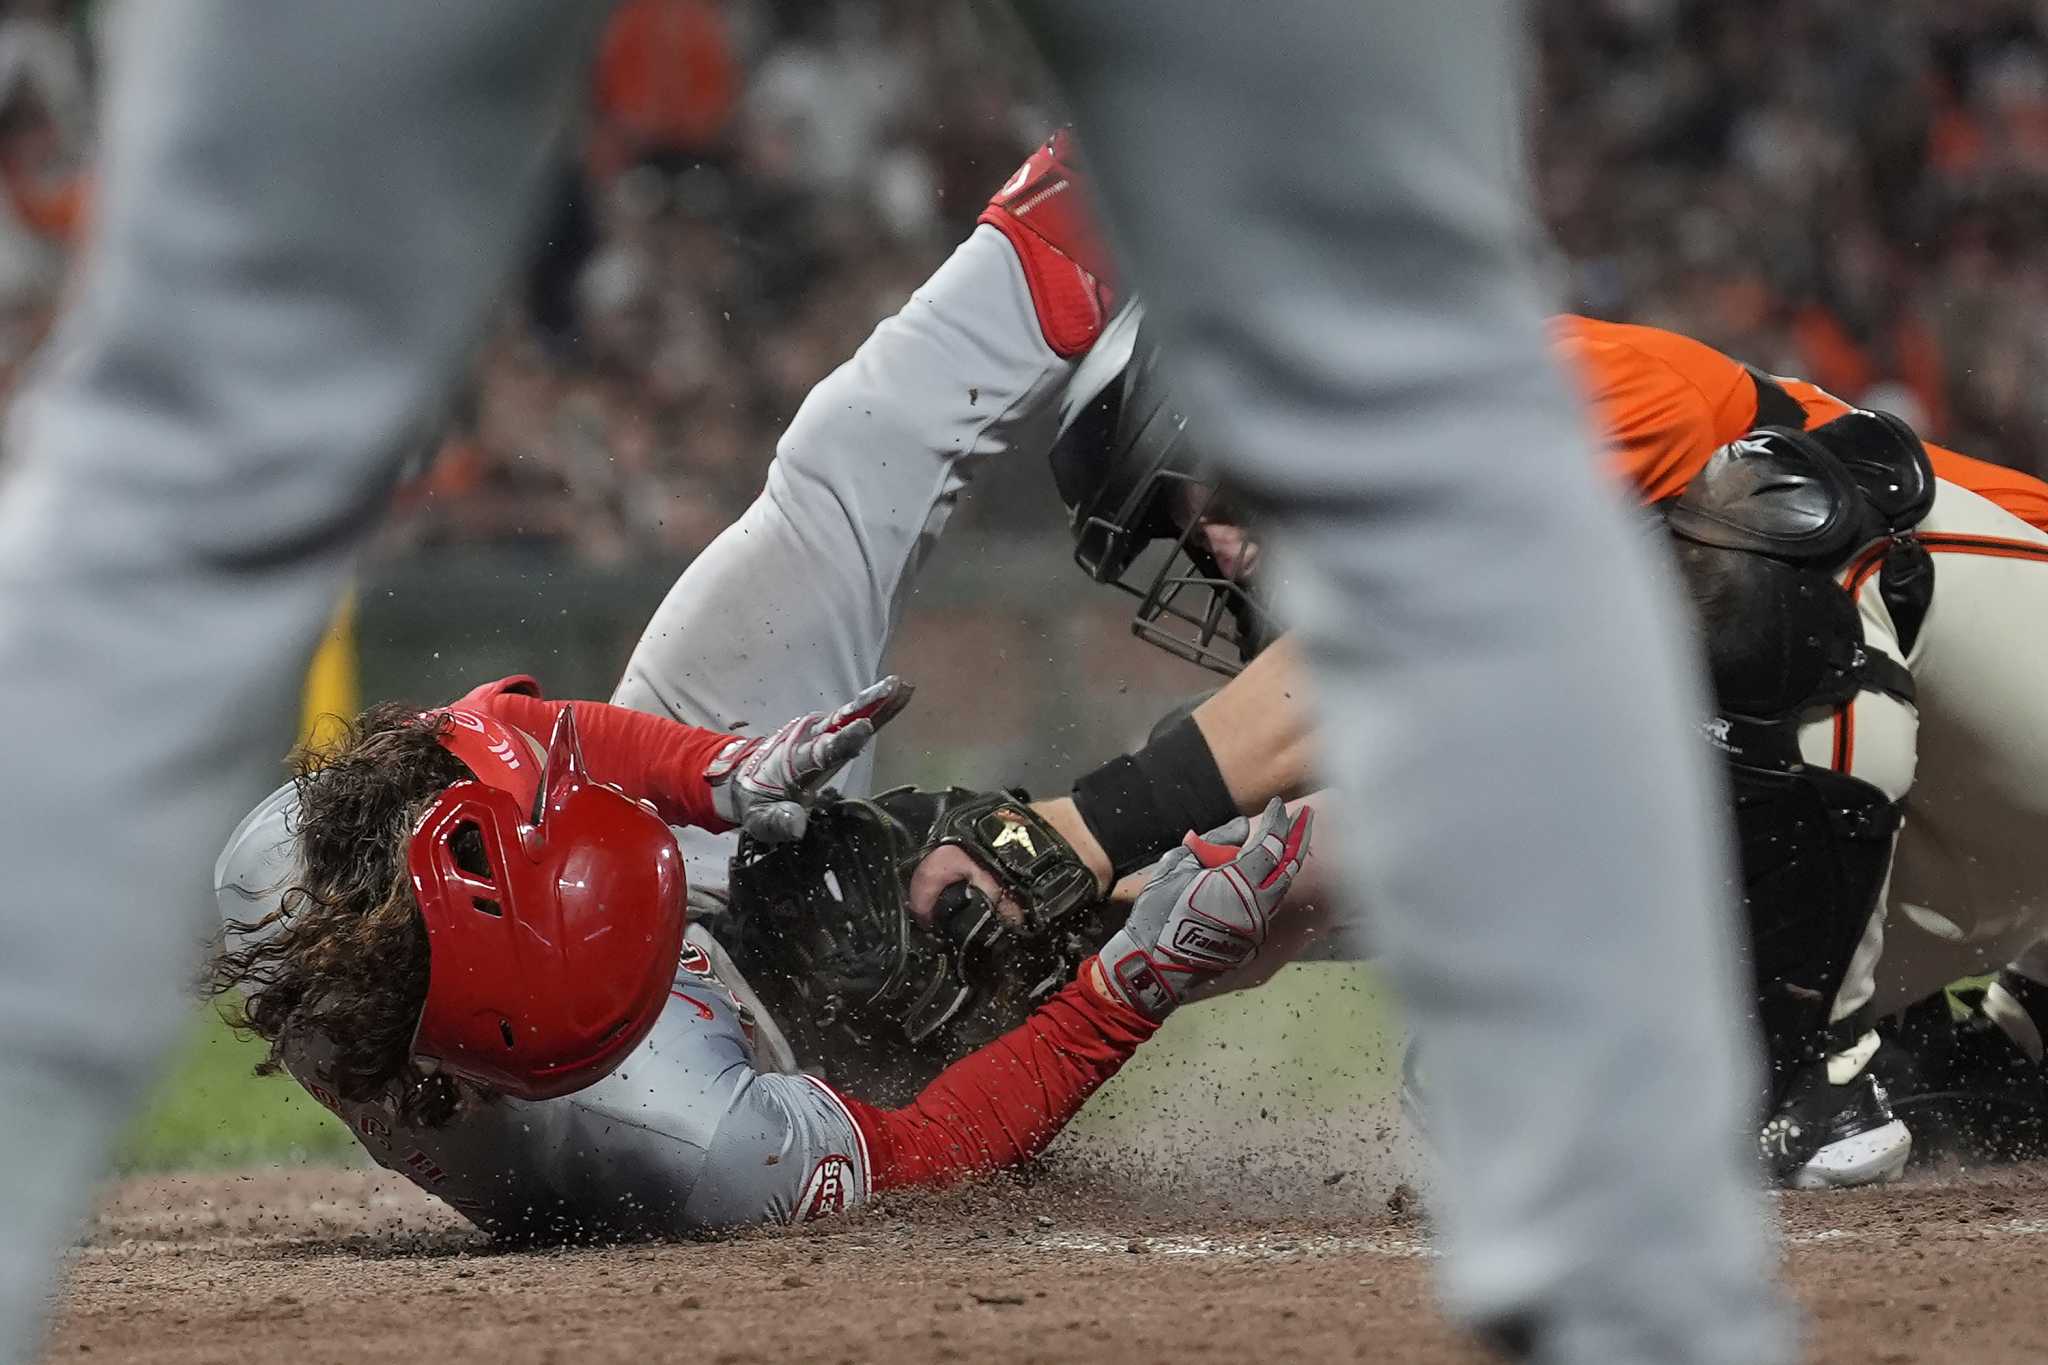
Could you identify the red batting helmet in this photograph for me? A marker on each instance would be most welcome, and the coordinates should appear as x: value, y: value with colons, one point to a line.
x: 550, y: 956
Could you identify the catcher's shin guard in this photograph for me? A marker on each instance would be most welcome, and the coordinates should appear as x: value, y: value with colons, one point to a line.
x: 1762, y: 531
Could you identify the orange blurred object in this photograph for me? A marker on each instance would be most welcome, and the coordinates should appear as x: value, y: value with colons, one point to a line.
x: 666, y: 81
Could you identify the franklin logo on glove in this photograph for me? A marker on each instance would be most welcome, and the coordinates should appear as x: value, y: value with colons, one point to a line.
x: 1223, y: 949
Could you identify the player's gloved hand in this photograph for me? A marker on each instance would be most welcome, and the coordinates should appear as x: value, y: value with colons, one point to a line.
x: 766, y: 785
x: 1044, y: 210
x: 1204, y: 910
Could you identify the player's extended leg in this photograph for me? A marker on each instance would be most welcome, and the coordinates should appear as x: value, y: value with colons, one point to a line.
x: 1320, y: 195
x: 303, y: 209
x: 861, y: 486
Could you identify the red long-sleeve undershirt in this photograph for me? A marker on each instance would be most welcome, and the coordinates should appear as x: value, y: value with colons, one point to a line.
x: 648, y: 757
x: 1004, y: 1103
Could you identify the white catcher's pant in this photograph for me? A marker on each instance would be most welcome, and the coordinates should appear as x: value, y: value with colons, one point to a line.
x: 305, y: 207
x: 1969, y: 880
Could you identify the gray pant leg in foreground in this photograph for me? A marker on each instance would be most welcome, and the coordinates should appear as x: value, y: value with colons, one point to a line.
x: 1505, y: 691
x: 304, y: 207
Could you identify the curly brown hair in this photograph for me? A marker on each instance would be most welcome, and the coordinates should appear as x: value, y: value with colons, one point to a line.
x: 345, y: 954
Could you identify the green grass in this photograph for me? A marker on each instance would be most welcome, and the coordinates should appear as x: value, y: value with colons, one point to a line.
x: 1319, y: 1037
x: 210, y: 1111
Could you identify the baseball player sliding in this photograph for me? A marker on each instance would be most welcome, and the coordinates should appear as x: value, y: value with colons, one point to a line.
x: 480, y: 958
x: 377, y: 904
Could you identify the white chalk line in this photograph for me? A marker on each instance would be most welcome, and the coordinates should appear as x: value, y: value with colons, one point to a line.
x: 1268, y: 1247
x: 1405, y: 1246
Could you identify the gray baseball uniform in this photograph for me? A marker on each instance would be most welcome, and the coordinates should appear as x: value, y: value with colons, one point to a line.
x: 862, y: 484
x: 1342, y: 276
x: 305, y: 207
x: 303, y: 210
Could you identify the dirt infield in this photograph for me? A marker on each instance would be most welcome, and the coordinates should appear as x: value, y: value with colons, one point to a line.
x: 312, y: 1267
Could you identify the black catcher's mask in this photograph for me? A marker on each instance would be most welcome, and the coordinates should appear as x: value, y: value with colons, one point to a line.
x: 1131, y: 478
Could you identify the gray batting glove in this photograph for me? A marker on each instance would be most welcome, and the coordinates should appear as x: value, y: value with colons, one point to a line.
x: 766, y: 786
x: 1204, y: 910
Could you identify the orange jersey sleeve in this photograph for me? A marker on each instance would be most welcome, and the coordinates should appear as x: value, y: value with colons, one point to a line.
x: 1665, y: 402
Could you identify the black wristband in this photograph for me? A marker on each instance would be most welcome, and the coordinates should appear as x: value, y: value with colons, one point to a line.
x: 1139, y: 805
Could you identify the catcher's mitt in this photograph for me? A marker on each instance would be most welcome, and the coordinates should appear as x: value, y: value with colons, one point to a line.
x: 822, y: 930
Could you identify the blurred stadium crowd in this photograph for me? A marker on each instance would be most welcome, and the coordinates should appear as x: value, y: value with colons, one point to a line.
x: 1853, y: 193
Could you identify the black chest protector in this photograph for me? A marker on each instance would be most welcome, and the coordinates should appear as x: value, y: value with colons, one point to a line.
x: 1762, y: 532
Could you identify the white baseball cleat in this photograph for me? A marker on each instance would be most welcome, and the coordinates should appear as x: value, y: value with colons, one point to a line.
x: 1877, y: 1157
x: 1835, y: 1129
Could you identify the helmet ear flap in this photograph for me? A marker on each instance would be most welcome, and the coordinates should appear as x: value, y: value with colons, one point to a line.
x: 439, y: 873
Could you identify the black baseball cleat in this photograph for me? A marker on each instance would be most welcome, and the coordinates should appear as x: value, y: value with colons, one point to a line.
x: 1971, y: 1086
x: 1835, y: 1129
